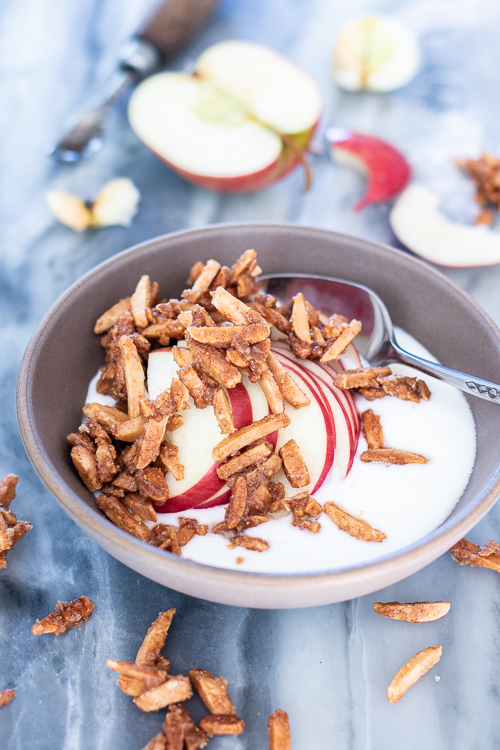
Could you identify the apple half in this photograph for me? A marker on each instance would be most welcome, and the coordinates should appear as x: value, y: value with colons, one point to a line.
x: 331, y: 419
x: 242, y: 120
x: 418, y: 224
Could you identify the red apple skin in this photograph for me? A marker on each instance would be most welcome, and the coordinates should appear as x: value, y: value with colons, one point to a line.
x: 388, y: 170
x: 316, y: 390
x: 344, y: 400
x: 250, y: 183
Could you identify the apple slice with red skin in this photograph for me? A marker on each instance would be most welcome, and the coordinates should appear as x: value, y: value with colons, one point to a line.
x: 210, y: 484
x: 318, y: 464
x: 323, y: 373
x: 420, y: 226
x: 336, y: 418
x: 345, y: 420
x: 387, y: 169
x: 243, y: 120
x: 319, y: 455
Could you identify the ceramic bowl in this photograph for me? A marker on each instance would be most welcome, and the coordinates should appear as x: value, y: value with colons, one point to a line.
x: 64, y: 355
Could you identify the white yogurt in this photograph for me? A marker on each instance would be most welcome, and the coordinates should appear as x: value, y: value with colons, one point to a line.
x: 405, y: 502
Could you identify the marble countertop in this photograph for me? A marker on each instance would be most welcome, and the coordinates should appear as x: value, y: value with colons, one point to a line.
x: 328, y: 667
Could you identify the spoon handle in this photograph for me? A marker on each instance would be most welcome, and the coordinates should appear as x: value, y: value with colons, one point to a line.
x: 468, y: 383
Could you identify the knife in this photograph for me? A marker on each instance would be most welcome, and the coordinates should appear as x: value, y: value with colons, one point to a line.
x: 162, y: 37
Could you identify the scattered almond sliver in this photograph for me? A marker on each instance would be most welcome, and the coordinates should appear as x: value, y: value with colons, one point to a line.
x: 6, y: 696
x: 372, y: 429
x: 353, y: 526
x: 278, y: 730
x: 392, y: 456
x: 412, y: 671
x: 413, y: 612
x: 468, y: 553
x: 65, y: 616
x: 11, y: 530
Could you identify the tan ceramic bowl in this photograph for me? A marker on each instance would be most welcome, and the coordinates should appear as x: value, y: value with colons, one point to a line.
x: 64, y: 354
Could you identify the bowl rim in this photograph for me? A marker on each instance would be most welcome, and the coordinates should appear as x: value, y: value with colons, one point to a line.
x: 429, y: 547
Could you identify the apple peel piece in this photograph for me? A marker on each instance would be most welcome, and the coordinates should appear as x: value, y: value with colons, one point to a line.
x: 387, y: 169
x: 418, y: 224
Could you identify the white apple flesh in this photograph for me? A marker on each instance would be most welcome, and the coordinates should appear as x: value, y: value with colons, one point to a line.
x: 418, y: 224
x: 224, y: 127
x: 330, y: 422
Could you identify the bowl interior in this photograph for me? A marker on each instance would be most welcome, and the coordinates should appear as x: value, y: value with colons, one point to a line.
x: 65, y: 354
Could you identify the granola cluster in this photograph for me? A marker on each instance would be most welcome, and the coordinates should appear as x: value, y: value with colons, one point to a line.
x: 311, y: 334
x: 378, y: 382
x: 485, y: 173
x: 149, y: 682
x: 11, y: 530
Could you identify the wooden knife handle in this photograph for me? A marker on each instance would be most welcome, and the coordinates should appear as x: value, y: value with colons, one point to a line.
x: 175, y: 23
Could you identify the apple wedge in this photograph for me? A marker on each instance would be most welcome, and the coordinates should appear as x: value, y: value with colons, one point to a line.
x: 240, y: 122
x: 387, y: 170
x: 340, y: 405
x: 418, y: 224
x: 313, y: 429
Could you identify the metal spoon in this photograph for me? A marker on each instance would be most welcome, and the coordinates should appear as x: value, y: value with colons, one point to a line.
x: 376, y: 342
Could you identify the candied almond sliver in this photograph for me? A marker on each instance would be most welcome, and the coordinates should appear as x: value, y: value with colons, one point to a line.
x: 392, y: 456
x: 155, y: 638
x: 412, y: 671
x: 220, y: 724
x: 213, y: 692
x: 294, y: 465
x: 139, y: 302
x: 342, y: 342
x: 121, y: 517
x: 353, y: 526
x: 246, y: 435
x: 6, y: 696
x: 278, y: 729
x: 134, y: 375
x: 467, y: 553
x: 300, y: 319
x: 237, y: 504
x: 112, y: 316
x: 158, y: 742
x: 176, y: 690
x: 412, y: 612
x: 372, y: 429
x: 65, y: 616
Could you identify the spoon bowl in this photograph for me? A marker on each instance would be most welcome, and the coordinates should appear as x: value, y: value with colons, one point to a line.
x: 377, y: 341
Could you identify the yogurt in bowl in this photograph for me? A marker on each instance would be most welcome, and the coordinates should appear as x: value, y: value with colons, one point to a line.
x: 64, y: 355
x: 402, y: 503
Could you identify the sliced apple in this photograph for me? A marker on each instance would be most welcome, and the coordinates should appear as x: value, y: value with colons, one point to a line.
x: 387, y: 170
x: 313, y: 429
x: 325, y: 430
x: 375, y: 53
x: 239, y: 123
x: 199, y: 433
x: 419, y: 225
x: 340, y: 404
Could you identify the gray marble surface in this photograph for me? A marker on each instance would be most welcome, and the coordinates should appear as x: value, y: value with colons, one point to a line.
x: 328, y: 667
